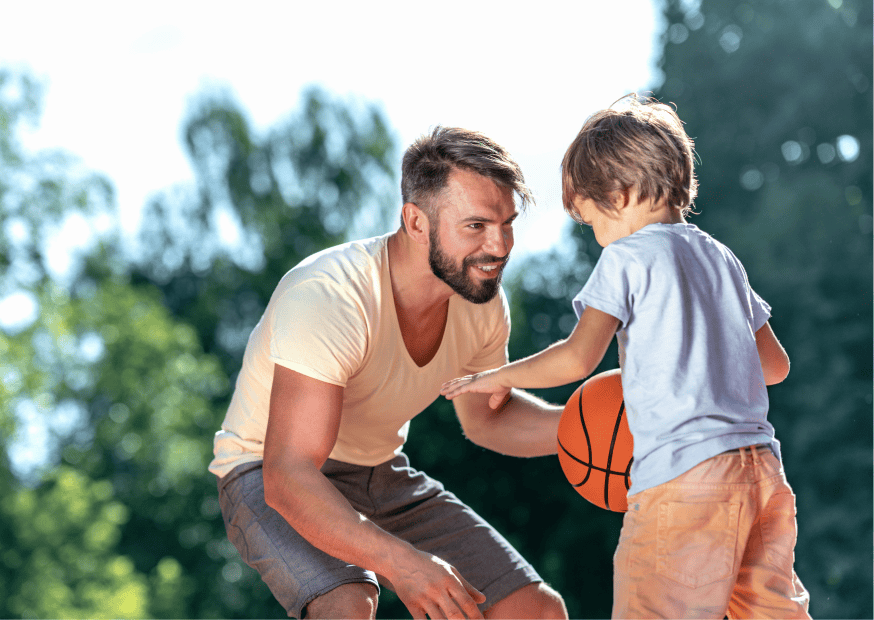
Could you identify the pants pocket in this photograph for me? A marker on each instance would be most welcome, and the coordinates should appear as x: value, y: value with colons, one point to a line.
x: 780, y: 531
x: 696, y: 541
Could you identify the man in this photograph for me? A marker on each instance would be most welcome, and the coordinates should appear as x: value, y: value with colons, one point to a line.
x: 316, y: 492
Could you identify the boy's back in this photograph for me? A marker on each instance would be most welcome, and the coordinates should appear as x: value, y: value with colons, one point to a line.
x: 691, y: 373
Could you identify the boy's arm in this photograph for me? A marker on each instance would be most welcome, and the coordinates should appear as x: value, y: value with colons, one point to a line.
x: 566, y: 361
x: 775, y: 361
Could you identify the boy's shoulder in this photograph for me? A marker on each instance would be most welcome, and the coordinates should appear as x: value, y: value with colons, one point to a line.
x: 657, y: 239
x: 657, y: 243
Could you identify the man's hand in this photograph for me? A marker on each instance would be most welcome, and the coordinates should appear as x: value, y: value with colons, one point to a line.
x: 489, y: 382
x: 430, y: 587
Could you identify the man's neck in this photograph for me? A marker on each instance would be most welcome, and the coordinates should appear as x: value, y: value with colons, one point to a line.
x: 416, y: 289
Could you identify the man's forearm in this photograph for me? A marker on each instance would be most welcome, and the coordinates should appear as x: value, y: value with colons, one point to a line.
x: 525, y: 426
x: 324, y: 517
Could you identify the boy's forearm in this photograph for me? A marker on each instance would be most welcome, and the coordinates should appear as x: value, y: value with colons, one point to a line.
x: 569, y: 360
x: 560, y: 364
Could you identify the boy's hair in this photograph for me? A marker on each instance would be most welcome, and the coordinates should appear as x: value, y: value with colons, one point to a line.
x: 429, y: 160
x: 640, y: 146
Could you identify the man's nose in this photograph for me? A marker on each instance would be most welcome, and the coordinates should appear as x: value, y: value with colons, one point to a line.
x: 499, y: 242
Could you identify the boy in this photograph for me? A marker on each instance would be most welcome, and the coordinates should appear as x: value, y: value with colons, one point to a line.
x: 710, y: 529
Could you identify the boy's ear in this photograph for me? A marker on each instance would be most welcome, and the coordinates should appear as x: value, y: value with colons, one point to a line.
x: 416, y: 222
x: 622, y: 198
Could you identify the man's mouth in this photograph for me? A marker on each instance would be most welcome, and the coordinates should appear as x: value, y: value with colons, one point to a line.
x: 490, y: 270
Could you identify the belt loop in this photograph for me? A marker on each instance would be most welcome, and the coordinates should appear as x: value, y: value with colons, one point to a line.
x: 757, y: 460
x: 743, y: 460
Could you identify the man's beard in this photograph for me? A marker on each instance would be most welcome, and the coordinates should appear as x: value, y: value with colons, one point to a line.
x: 459, y: 280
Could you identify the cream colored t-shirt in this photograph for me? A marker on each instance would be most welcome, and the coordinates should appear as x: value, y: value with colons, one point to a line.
x: 333, y: 318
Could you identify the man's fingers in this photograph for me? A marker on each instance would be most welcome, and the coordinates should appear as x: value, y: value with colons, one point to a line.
x: 469, y: 605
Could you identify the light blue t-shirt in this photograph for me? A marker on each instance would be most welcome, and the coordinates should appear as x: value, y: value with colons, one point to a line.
x: 691, y: 374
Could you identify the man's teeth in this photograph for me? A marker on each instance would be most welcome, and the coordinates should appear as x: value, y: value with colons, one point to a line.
x: 488, y: 268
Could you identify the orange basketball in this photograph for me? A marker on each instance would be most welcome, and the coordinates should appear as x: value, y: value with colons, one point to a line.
x: 594, y: 443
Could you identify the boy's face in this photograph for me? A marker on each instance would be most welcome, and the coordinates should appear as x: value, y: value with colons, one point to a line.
x: 607, y: 226
x: 626, y: 217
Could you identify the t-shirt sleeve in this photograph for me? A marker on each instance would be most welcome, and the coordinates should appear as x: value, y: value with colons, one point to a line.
x: 761, y: 310
x: 609, y: 287
x: 497, y: 334
x: 319, y: 331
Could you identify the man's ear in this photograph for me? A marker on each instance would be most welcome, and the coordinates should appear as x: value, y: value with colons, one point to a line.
x: 416, y: 222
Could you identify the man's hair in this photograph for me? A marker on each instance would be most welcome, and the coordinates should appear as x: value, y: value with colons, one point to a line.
x: 429, y: 161
x: 639, y: 146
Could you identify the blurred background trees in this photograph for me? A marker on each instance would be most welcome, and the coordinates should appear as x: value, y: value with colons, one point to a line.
x: 127, y: 360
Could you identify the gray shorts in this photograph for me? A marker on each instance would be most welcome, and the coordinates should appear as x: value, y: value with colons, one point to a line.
x: 399, y: 499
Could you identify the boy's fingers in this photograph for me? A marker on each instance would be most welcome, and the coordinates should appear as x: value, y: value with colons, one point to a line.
x: 454, y: 387
x: 455, y: 392
x: 454, y: 382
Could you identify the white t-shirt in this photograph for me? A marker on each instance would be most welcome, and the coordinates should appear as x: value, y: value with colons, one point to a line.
x: 333, y: 318
x: 691, y: 375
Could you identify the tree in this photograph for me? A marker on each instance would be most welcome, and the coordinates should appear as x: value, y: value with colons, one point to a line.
x: 123, y: 518
x: 783, y: 132
x: 303, y: 187
x: 60, y: 527
x: 325, y: 173
x: 777, y: 96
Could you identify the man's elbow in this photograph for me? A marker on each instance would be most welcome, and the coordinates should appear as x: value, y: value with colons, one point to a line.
x: 272, y: 486
x: 476, y: 433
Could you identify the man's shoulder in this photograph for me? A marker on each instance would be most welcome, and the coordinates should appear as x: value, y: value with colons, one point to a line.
x: 351, y: 264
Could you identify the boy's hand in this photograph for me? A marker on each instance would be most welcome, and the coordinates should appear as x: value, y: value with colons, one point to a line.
x: 488, y: 382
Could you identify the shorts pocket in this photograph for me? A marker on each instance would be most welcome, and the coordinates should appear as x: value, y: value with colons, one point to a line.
x: 696, y: 542
x: 780, y: 531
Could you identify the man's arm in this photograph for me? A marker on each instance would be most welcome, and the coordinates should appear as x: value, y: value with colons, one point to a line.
x: 524, y: 426
x: 301, y: 431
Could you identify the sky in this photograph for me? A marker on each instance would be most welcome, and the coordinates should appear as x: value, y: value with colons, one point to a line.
x: 118, y: 76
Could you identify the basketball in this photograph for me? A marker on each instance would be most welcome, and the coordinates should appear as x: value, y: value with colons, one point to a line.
x: 594, y: 443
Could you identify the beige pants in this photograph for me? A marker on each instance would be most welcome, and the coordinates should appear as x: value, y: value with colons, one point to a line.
x: 718, y: 540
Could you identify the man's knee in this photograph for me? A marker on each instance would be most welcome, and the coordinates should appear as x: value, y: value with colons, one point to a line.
x: 536, y: 600
x: 351, y: 600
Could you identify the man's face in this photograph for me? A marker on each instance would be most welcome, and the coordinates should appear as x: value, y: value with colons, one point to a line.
x: 472, y: 235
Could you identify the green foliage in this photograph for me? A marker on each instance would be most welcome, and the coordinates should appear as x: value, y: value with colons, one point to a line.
x: 777, y: 187
x: 140, y: 356
x: 767, y: 90
x: 123, y: 521
x: 64, y: 561
x: 325, y: 173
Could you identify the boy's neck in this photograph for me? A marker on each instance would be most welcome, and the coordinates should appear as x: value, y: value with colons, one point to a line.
x: 639, y: 214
